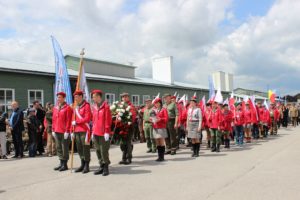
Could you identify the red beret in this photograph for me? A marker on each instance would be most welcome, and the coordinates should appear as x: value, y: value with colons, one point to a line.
x: 173, y: 97
x: 78, y: 92
x: 61, y: 93
x: 157, y: 100
x: 96, y: 92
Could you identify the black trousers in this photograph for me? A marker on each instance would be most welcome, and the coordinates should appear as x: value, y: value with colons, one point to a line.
x: 18, y: 142
x: 40, y: 144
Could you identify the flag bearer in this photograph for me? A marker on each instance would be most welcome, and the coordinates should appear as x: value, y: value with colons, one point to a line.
x: 81, y: 130
x: 214, y: 121
x: 226, y: 121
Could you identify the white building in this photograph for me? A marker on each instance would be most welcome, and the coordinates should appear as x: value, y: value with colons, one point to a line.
x: 223, y: 80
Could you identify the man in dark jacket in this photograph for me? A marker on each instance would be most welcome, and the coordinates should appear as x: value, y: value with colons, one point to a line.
x: 16, y: 127
x: 40, y: 115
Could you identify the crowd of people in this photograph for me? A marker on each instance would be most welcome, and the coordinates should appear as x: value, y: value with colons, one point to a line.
x: 163, y: 124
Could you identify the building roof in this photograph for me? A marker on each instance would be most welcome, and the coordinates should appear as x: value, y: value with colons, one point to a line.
x: 41, y: 69
x: 101, y: 61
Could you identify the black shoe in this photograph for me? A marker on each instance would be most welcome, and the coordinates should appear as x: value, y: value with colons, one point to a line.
x: 159, y: 152
x: 197, y: 149
x: 81, y: 167
x: 173, y: 152
x: 122, y: 162
x: 127, y: 162
x: 194, y: 150
x: 64, y: 166
x: 149, y: 151
x: 105, y: 170
x: 213, y: 149
x: 218, y: 148
x: 208, y: 144
x: 168, y: 152
x: 59, y: 166
x: 86, y: 168
x: 100, y: 170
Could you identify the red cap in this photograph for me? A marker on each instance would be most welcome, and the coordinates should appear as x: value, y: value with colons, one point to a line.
x: 61, y: 93
x: 173, y: 97
x: 78, y: 92
x: 157, y: 100
x: 96, y: 92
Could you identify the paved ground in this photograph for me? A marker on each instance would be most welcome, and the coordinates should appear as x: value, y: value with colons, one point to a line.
x: 267, y: 169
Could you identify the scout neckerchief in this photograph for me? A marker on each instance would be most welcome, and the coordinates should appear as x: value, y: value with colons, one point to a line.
x: 88, y: 133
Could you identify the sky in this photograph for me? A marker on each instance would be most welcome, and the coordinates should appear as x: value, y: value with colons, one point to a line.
x: 256, y: 40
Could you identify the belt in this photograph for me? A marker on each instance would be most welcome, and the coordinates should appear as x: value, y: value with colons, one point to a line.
x: 194, y: 120
x: 148, y: 122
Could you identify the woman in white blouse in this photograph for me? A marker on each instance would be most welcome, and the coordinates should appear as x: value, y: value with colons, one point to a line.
x: 194, y: 121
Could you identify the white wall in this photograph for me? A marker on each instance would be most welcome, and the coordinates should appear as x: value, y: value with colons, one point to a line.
x: 162, y: 69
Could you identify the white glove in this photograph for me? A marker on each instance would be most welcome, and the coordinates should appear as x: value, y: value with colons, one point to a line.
x: 72, y: 136
x: 66, y: 135
x: 53, y: 134
x: 93, y: 138
x: 106, y: 137
x: 73, y: 123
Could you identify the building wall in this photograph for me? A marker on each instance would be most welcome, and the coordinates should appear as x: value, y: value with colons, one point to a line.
x: 21, y: 83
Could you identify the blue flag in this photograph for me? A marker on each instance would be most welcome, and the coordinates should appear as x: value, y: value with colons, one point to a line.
x: 62, y: 81
x: 212, y: 93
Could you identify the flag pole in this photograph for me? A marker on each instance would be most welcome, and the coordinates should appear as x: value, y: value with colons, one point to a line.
x: 74, y: 106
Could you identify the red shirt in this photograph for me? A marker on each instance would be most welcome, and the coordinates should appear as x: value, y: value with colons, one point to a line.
x: 248, y: 116
x: 162, y: 114
x: 266, y: 117
x: 215, y: 118
x: 82, y: 121
x: 62, y: 119
x: 226, y: 119
x: 101, y: 119
x: 239, y: 119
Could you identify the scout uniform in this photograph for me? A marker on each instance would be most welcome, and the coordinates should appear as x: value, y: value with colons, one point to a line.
x: 214, y: 121
x: 101, y: 131
x: 239, y: 122
x: 61, y: 129
x: 248, y: 123
x: 274, y: 116
x: 171, y: 141
x: 126, y: 145
x: 148, y: 130
x: 266, y: 121
x: 81, y: 129
x: 225, y: 125
x: 194, y: 122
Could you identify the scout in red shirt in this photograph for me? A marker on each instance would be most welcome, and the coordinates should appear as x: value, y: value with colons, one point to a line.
x: 101, y: 131
x: 248, y: 122
x: 81, y: 130
x: 214, y: 122
x: 61, y: 129
x: 274, y: 116
x: 225, y: 125
x: 159, y: 119
x: 239, y: 122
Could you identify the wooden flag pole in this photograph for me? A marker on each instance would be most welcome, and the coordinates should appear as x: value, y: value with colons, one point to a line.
x: 74, y: 105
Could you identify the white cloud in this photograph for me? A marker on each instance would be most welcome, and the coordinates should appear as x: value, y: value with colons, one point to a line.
x: 263, y: 50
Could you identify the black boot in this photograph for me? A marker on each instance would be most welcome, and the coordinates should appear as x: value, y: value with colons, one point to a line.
x: 64, y: 166
x: 81, y: 167
x: 105, y: 170
x: 159, y: 152
x: 214, y: 148
x: 163, y: 149
x: 218, y: 148
x: 197, y: 149
x: 228, y: 143
x: 59, y: 166
x: 194, y: 150
x: 208, y: 144
x: 100, y: 170
x: 86, y: 168
x: 124, y: 150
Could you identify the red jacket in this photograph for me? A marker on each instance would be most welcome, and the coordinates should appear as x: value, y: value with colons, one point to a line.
x: 266, y: 117
x: 163, y: 115
x: 255, y: 116
x: 261, y: 114
x: 62, y: 119
x: 276, y: 113
x: 182, y: 116
x: 102, y: 119
x: 239, y: 119
x: 82, y: 123
x: 248, y: 116
x: 214, y: 118
x: 206, y: 115
x: 226, y: 119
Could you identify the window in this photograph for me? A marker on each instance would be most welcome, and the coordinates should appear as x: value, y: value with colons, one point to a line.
x: 7, y: 96
x: 145, y: 97
x: 110, y: 98
x: 35, y: 95
x: 135, y: 99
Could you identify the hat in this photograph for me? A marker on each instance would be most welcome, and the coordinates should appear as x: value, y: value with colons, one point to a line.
x: 173, y: 97
x: 61, y: 93
x: 147, y: 100
x: 167, y: 95
x: 78, y: 92
x: 124, y: 94
x: 193, y: 99
x: 157, y: 100
x: 96, y: 92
